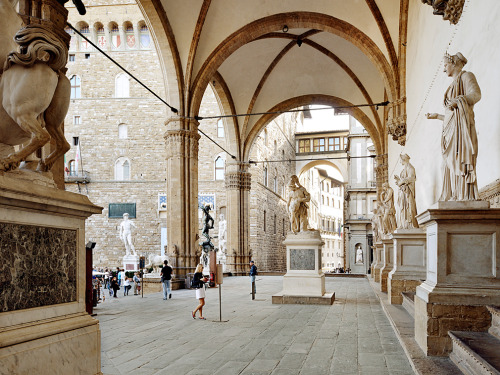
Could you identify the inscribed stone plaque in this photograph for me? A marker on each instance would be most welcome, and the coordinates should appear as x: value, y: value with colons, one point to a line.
x: 116, y: 210
x: 37, y: 266
x: 302, y: 259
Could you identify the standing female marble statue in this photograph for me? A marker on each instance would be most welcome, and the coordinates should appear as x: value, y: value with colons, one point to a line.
x: 459, y: 139
x: 297, y: 205
x: 387, y: 200
x: 406, y: 197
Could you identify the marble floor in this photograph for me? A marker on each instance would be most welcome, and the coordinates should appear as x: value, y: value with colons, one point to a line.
x: 152, y: 336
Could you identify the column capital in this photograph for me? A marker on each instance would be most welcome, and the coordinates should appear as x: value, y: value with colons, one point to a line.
x: 181, y: 137
x: 237, y: 176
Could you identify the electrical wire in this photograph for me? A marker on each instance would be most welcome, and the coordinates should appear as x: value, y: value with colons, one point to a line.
x: 311, y: 159
x: 199, y: 118
x: 175, y: 110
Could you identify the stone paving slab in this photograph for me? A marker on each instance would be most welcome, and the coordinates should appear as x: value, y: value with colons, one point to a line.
x: 151, y: 336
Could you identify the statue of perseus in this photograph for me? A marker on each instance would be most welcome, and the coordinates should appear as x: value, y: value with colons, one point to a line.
x: 126, y: 234
x: 459, y: 139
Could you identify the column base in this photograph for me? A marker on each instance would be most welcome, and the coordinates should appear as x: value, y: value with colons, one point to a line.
x: 384, y: 275
x: 440, y: 311
x: 396, y: 287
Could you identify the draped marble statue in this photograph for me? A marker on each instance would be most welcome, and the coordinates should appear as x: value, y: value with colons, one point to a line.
x: 388, y: 210
x: 377, y: 224
x: 406, y: 197
x: 297, y: 205
x: 459, y: 140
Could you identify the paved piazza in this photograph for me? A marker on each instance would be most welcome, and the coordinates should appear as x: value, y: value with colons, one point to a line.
x: 152, y: 336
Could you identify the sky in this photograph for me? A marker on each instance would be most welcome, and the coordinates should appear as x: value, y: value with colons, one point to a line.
x: 324, y: 120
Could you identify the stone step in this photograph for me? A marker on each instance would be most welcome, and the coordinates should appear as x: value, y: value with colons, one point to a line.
x: 409, y: 303
x: 475, y: 352
x: 495, y: 321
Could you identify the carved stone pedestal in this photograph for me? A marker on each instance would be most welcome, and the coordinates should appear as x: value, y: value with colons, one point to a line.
x: 43, y: 324
x: 409, y: 269
x: 131, y: 262
x: 304, y: 282
x: 387, y: 261
x: 378, y: 252
x: 463, y: 272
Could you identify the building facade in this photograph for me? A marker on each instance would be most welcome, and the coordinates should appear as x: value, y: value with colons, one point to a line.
x: 111, y: 123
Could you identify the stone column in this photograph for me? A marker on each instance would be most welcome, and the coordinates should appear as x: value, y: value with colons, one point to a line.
x: 137, y: 36
x: 181, y: 140
x: 463, y: 272
x: 123, y: 37
x: 388, y: 259
x: 378, y: 249
x: 409, y: 268
x: 107, y: 33
x: 238, y: 182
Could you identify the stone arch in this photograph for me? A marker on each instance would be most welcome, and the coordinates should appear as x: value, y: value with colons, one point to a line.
x: 166, y: 48
x: 342, y: 169
x: 226, y: 106
x: 275, y: 22
x: 376, y: 135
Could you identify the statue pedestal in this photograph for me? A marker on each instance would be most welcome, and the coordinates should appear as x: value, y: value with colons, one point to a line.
x: 387, y: 263
x: 304, y: 282
x: 463, y: 258
x: 409, y: 267
x: 43, y: 320
x: 377, y: 265
x: 131, y: 262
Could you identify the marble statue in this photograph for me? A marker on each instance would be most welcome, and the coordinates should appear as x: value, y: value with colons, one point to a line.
x: 126, y: 234
x: 388, y: 210
x: 406, y: 197
x: 222, y: 234
x: 377, y: 223
x: 359, y: 255
x: 297, y: 205
x: 34, y: 90
x: 459, y: 139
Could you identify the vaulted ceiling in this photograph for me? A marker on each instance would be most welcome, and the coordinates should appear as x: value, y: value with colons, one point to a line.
x: 265, y: 55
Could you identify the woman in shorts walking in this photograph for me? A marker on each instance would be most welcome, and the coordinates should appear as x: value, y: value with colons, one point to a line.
x: 199, y: 284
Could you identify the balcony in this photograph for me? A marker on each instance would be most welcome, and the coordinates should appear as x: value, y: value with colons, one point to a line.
x: 74, y: 177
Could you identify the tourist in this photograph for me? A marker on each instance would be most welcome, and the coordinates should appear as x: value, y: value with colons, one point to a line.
x: 199, y: 283
x: 137, y: 284
x: 115, y: 287
x: 126, y: 286
x: 106, y: 279
x: 166, y: 276
x: 253, y: 273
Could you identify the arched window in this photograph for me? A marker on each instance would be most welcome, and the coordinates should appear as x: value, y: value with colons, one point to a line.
x: 220, y: 128
x: 115, y: 35
x: 274, y: 223
x: 275, y: 185
x: 122, y: 86
x: 72, y: 168
x: 122, y: 169
x: 264, y: 220
x: 123, y: 131
x: 265, y: 137
x: 144, y: 32
x: 275, y: 147
x: 101, y: 38
x: 76, y: 92
x: 84, y: 29
x: 219, y: 168
x: 265, y: 176
x: 129, y: 34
